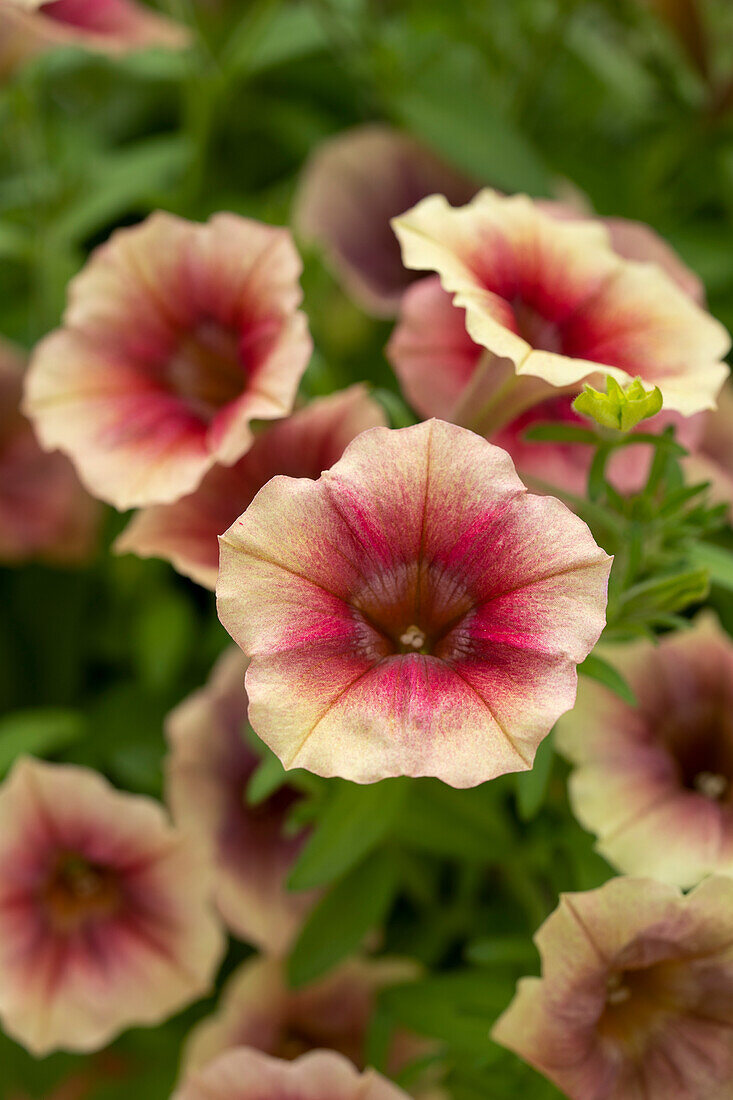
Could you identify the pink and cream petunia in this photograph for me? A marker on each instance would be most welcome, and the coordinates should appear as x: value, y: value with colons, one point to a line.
x: 207, y: 771
x: 303, y: 445
x: 412, y: 612
x: 440, y: 370
x: 176, y: 337
x: 635, y: 1001
x: 553, y: 299
x: 654, y: 782
x: 44, y: 512
x: 258, y: 1009
x: 352, y: 185
x: 712, y: 457
x: 244, y: 1074
x: 103, y: 26
x: 104, y: 912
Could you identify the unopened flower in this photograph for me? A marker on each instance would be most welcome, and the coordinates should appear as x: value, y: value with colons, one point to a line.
x: 176, y: 336
x: 44, y: 512
x: 244, y: 1074
x: 555, y: 300
x: 258, y: 1009
x: 208, y: 768
x: 352, y: 186
x: 636, y: 994
x: 654, y: 782
x: 104, y: 26
x: 412, y: 612
x: 302, y: 445
x: 104, y: 915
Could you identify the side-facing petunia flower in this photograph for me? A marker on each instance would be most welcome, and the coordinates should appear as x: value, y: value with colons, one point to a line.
x: 244, y: 1074
x: 654, y: 782
x: 104, y: 26
x: 104, y: 910
x: 712, y: 457
x: 635, y: 1001
x: 207, y: 771
x: 554, y: 299
x: 412, y: 612
x: 440, y: 369
x: 175, y: 338
x: 304, y: 444
x: 258, y: 1009
x: 351, y: 187
x: 44, y: 512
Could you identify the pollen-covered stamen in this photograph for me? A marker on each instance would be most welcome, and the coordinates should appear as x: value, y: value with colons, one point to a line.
x: 616, y: 992
x: 711, y: 785
x: 77, y: 891
x: 413, y: 638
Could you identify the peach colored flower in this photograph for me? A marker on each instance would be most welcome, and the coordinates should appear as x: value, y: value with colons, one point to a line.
x: 302, y: 445
x: 105, y: 26
x: 258, y: 1009
x: 44, y: 512
x: 440, y: 371
x: 207, y: 771
x: 655, y: 782
x: 244, y: 1074
x: 352, y: 185
x: 636, y: 996
x: 104, y: 916
x: 412, y: 612
x: 712, y: 458
x: 176, y: 336
x: 554, y: 299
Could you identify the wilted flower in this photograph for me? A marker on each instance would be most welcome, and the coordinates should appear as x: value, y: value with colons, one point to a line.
x: 176, y: 336
x: 555, y: 300
x: 654, y: 782
x: 44, y: 512
x: 104, y: 916
x: 105, y: 26
x: 303, y: 445
x: 208, y: 769
x: 636, y: 994
x: 412, y: 612
x: 352, y: 186
x: 244, y: 1074
x: 258, y: 1009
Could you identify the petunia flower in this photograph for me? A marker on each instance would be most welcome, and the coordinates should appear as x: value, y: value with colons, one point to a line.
x: 441, y: 372
x: 103, y: 26
x: 44, y: 512
x: 654, y: 782
x: 412, y: 612
x: 302, y: 445
x: 207, y: 771
x: 555, y: 300
x: 258, y: 1009
x: 244, y: 1074
x: 636, y: 996
x: 104, y: 915
x: 176, y: 337
x: 351, y: 187
x: 712, y: 457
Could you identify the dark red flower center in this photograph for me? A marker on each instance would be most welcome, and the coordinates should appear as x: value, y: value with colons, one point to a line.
x: 77, y: 891
x: 639, y: 1001
x: 701, y: 744
x: 206, y: 369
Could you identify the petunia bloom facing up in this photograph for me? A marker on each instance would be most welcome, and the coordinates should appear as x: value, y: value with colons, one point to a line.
x: 44, y: 512
x: 302, y: 445
x: 554, y: 300
x: 654, y: 782
x: 176, y: 336
x: 635, y: 1001
x: 207, y: 771
x: 243, y: 1074
x: 104, y: 914
x: 412, y: 612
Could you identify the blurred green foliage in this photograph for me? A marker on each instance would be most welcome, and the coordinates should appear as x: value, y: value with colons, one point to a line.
x: 545, y: 96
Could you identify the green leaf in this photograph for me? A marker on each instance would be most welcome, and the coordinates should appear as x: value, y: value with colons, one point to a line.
x: 268, y: 777
x: 531, y: 786
x: 164, y: 636
x: 595, y: 668
x: 273, y: 33
x: 452, y: 823
x: 508, y: 950
x: 41, y: 731
x: 355, y: 820
x: 339, y: 923
x: 400, y: 416
x: 662, y: 595
x: 717, y: 560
